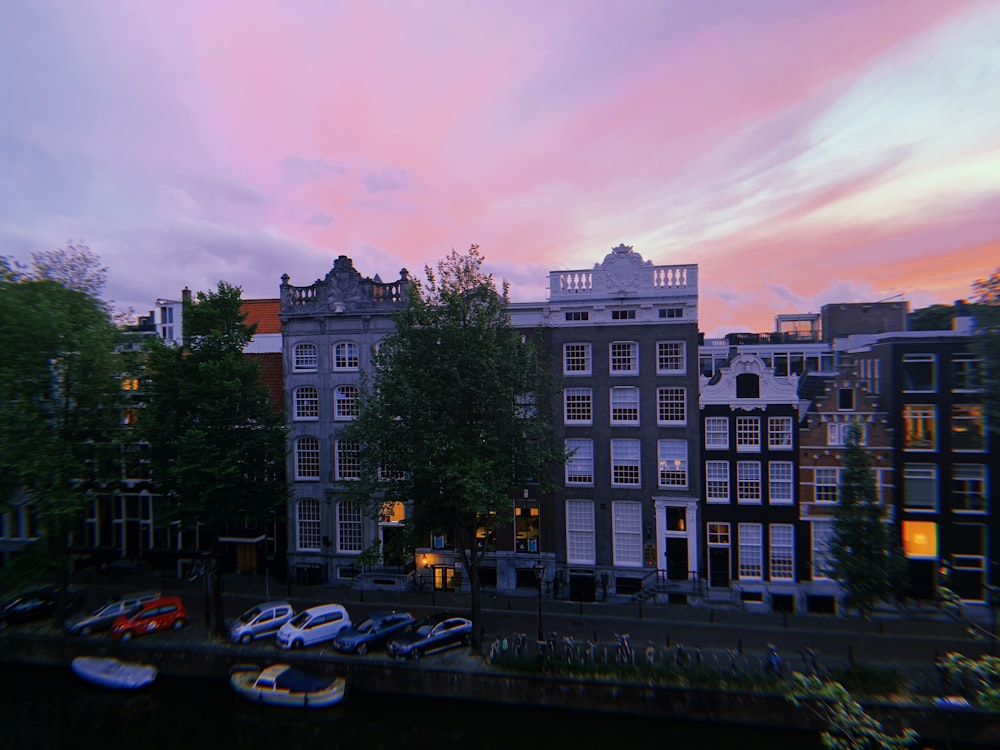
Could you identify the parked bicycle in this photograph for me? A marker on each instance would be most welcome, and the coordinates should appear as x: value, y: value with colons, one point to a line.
x: 623, y: 654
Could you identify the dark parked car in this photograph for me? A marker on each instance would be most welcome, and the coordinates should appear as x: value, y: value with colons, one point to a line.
x: 372, y: 632
x: 433, y: 633
x: 35, y: 604
x: 104, y: 616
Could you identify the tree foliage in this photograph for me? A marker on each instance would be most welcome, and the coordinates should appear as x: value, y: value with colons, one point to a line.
x: 457, y: 418
x: 865, y: 559
x: 980, y: 675
x: 933, y: 318
x: 60, y: 393
x: 850, y: 727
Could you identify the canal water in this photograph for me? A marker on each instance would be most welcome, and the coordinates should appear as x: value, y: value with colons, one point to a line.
x: 49, y: 708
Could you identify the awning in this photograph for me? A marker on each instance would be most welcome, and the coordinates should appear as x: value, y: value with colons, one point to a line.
x: 242, y: 539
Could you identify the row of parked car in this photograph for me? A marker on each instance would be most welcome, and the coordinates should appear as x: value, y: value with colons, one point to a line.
x: 398, y: 633
x: 146, y: 612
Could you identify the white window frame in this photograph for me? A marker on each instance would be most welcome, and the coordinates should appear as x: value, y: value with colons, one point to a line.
x: 624, y: 405
x: 627, y: 533
x: 580, y: 465
x: 716, y: 433
x: 781, y: 539
x: 831, y: 478
x: 580, y: 397
x: 346, y: 402
x: 717, y: 477
x: 751, y: 552
x: 780, y: 433
x: 306, y: 399
x: 671, y: 357
x: 672, y: 464
x: 307, y: 458
x: 821, y: 534
x: 671, y: 405
x: 961, y: 414
x: 348, y: 460
x: 349, y: 530
x: 580, y: 548
x: 622, y: 353
x: 749, y: 486
x: 579, y: 355
x: 305, y: 356
x: 308, y: 524
x: 920, y: 358
x: 781, y: 482
x: 626, y: 461
x: 964, y: 480
x: 748, y: 434
x: 346, y: 356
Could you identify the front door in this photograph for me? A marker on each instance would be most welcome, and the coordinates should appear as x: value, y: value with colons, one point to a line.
x: 392, y: 546
x: 718, y: 567
x: 246, y: 557
x: 677, y: 558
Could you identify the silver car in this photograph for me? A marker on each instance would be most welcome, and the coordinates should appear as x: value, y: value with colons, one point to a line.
x: 260, y: 621
x: 104, y: 616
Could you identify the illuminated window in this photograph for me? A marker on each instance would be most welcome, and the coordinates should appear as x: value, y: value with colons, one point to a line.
x: 672, y: 460
x: 348, y: 460
x: 748, y: 482
x: 526, y: 528
x: 307, y: 458
x: 625, y: 406
x: 748, y: 434
x: 718, y: 534
x: 306, y: 402
x: 671, y: 357
x: 624, y: 358
x: 580, y: 532
x: 578, y: 406
x: 348, y: 527
x: 130, y: 384
x: 307, y: 528
x: 345, y: 400
x: 580, y: 464
x: 576, y: 359
x: 625, y: 463
x: 782, y: 548
x: 671, y: 405
x: 304, y: 357
x: 919, y: 427
x: 968, y: 488
x: 717, y: 481
x: 345, y: 356
x: 627, y: 530
x: 920, y: 539
x: 751, y: 551
x: 968, y: 427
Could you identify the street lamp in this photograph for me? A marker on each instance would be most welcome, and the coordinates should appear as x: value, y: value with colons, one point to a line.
x: 539, y: 568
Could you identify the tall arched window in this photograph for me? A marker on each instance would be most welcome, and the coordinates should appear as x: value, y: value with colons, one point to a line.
x: 307, y: 402
x: 345, y: 355
x: 345, y: 400
x: 307, y: 524
x: 304, y: 357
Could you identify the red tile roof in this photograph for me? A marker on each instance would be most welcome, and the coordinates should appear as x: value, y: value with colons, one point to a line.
x: 263, y: 312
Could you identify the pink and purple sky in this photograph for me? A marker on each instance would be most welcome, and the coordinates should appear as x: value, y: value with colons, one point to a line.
x: 799, y: 152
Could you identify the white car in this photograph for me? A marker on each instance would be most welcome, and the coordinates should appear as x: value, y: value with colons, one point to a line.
x: 260, y: 621
x: 313, y: 625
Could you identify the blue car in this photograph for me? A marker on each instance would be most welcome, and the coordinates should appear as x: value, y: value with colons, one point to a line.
x: 433, y: 633
x: 372, y: 632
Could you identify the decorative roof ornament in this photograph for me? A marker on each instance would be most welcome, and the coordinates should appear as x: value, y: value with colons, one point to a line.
x: 622, y: 249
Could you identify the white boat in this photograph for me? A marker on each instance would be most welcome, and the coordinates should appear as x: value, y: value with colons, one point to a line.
x: 113, y: 673
x: 284, y: 685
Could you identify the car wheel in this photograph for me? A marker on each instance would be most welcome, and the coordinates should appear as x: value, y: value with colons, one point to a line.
x: 415, y: 654
x: 127, y: 635
x: 362, y: 649
x: 297, y: 644
x: 246, y: 638
x: 178, y: 623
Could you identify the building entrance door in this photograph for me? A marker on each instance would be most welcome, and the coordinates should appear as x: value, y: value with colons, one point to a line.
x: 718, y: 567
x: 677, y: 558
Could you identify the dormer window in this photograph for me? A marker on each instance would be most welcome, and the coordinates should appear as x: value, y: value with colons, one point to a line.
x: 747, y: 385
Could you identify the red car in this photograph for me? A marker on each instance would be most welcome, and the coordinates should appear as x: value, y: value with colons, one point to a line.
x: 163, y: 613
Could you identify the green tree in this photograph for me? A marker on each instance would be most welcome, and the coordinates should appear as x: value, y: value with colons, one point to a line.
x: 865, y: 559
x: 986, y: 343
x: 60, y: 390
x: 458, y: 417
x: 933, y: 318
x: 217, y: 447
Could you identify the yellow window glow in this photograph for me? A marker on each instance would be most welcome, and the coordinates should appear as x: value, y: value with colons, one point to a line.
x: 920, y: 539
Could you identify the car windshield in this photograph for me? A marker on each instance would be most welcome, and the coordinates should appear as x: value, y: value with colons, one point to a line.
x: 300, y: 619
x: 250, y: 614
x: 366, y: 625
